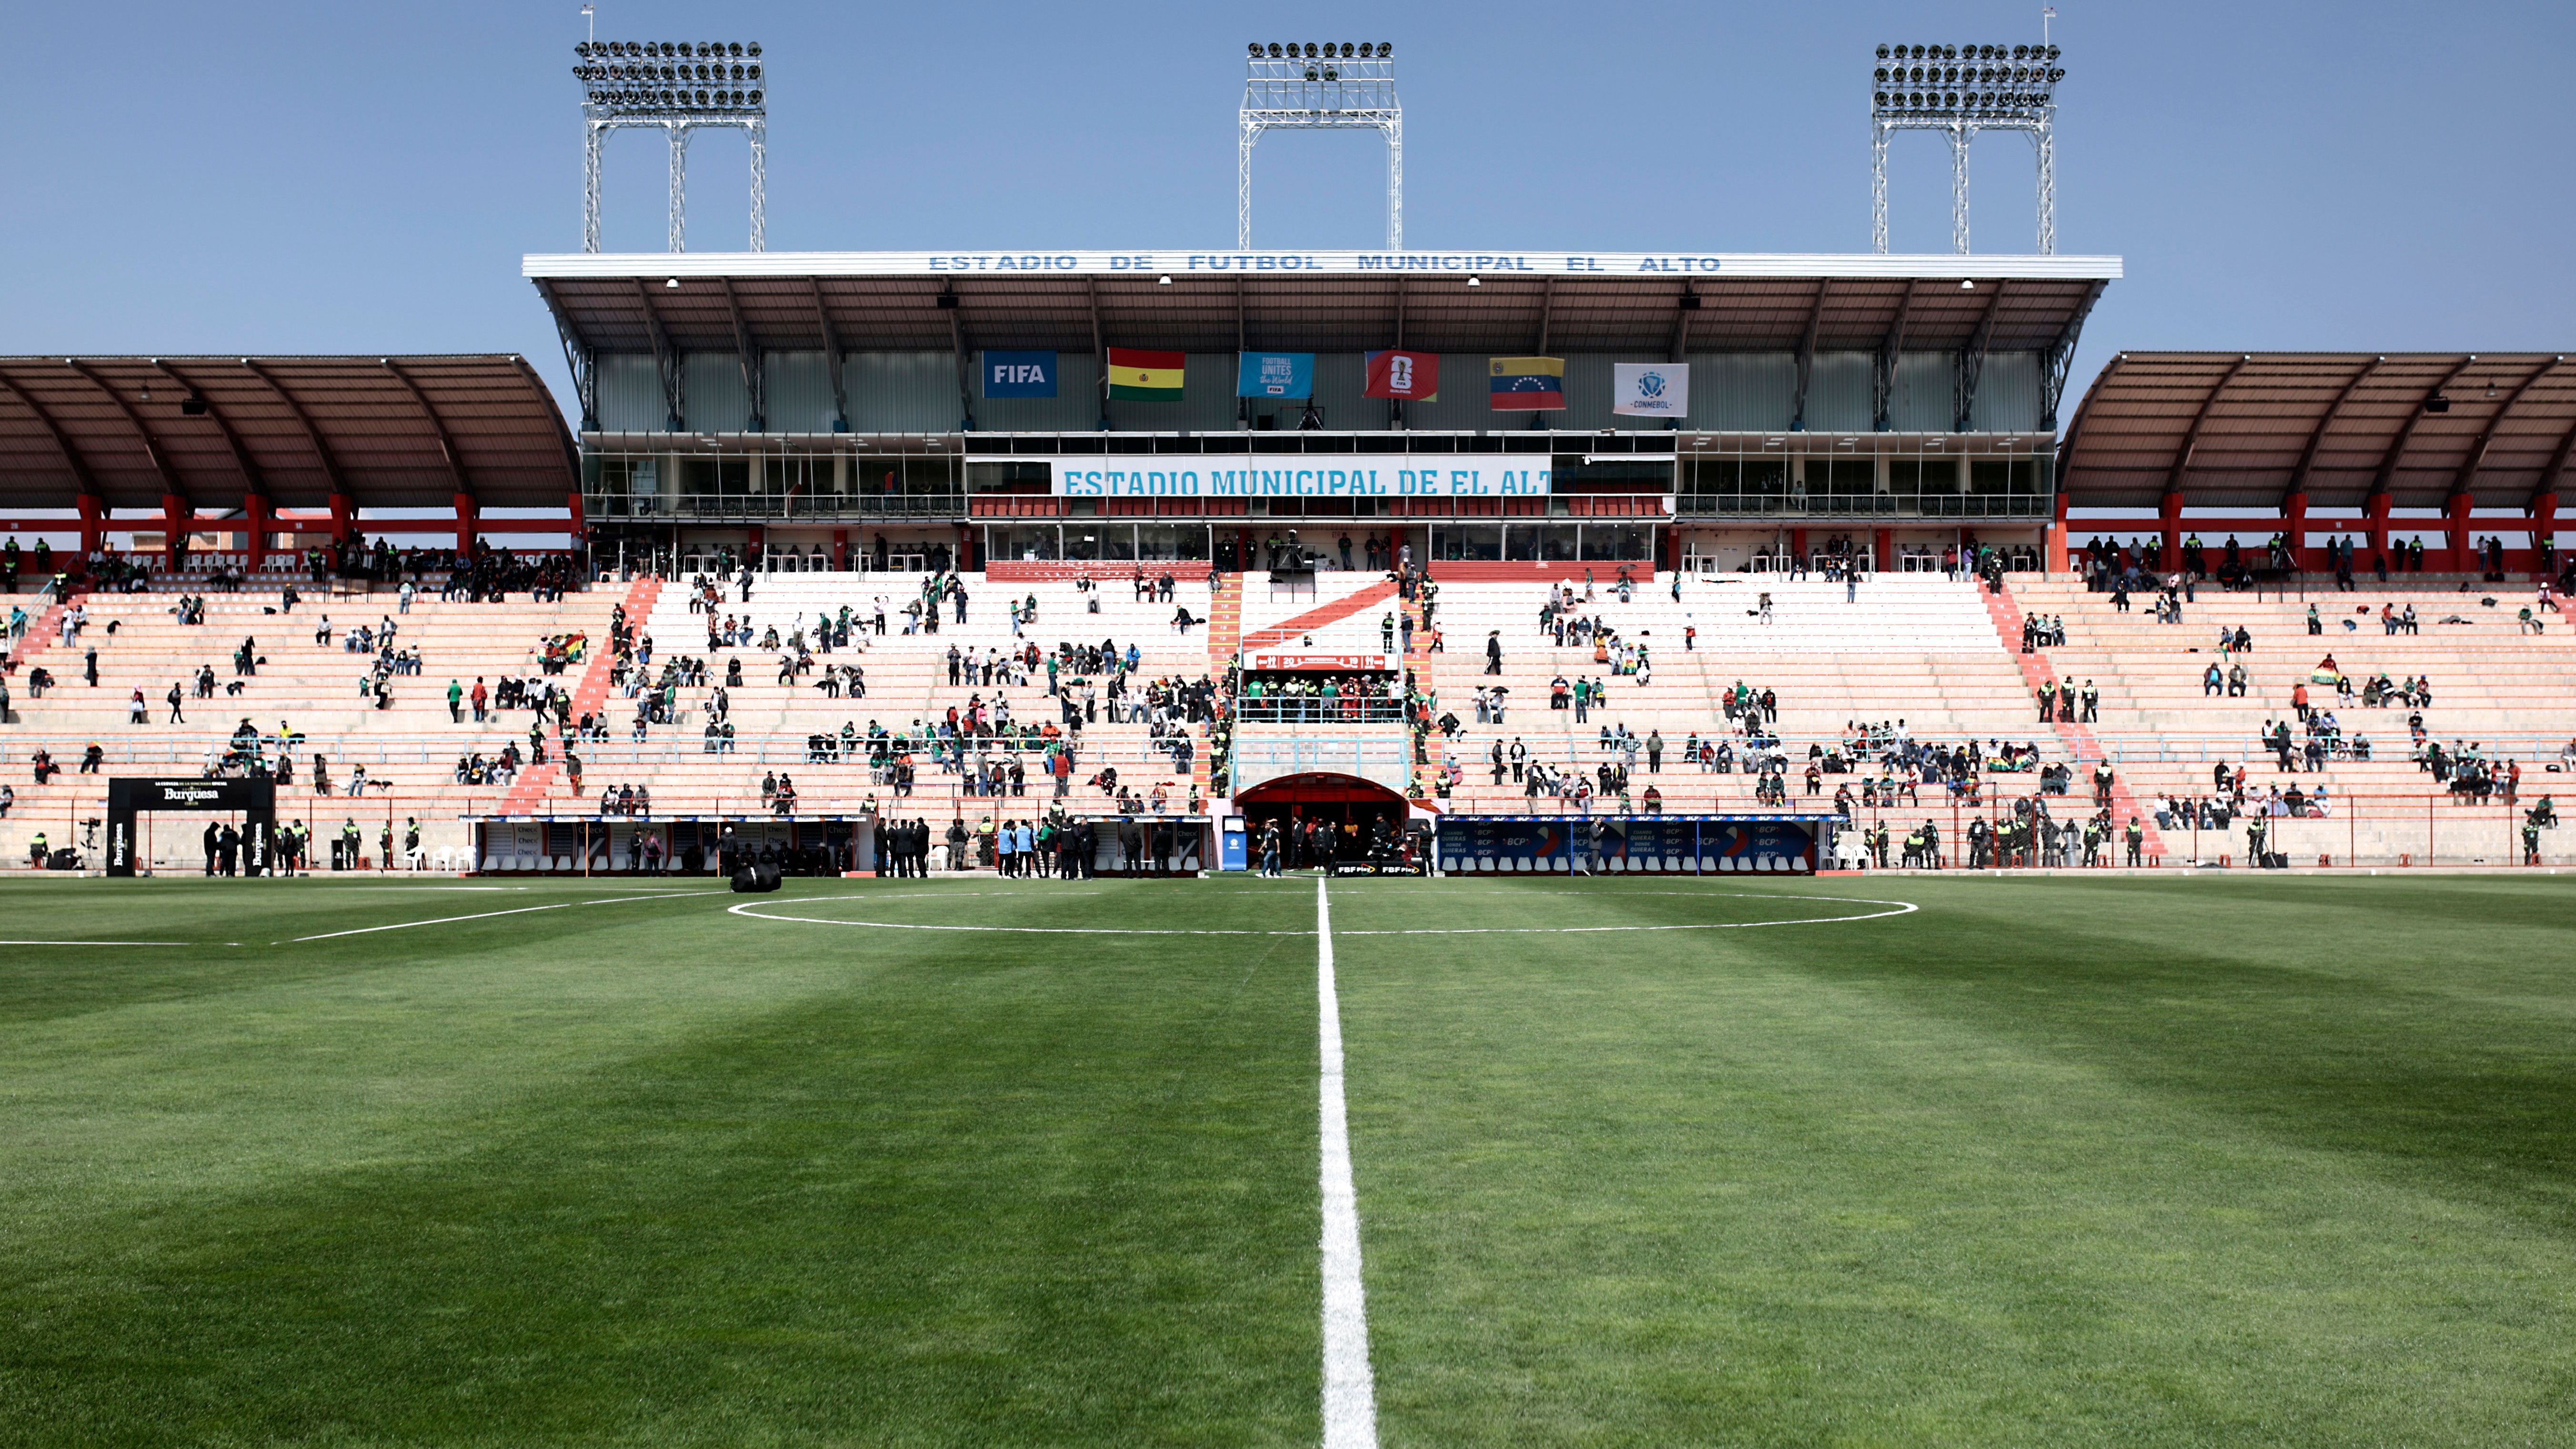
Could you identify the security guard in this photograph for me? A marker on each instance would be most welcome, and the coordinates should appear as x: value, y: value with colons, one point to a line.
x: 2137, y: 842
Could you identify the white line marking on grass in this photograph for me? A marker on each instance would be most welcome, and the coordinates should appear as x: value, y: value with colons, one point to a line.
x: 108, y: 943
x: 746, y: 910
x: 1350, y: 1391
x: 488, y: 915
x: 1902, y: 908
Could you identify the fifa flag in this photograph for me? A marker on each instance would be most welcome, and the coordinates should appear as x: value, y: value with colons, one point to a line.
x: 1276, y: 374
x: 1405, y: 376
x: 1650, y: 389
x: 1019, y: 374
x: 1528, y: 383
x: 1145, y: 376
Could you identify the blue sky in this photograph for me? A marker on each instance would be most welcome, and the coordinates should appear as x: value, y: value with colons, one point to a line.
x: 280, y: 178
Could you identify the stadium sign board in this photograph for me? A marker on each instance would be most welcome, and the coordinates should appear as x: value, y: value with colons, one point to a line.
x: 1363, y: 475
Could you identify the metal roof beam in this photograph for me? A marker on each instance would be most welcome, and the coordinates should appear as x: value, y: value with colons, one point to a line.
x: 831, y: 357
x: 437, y: 426
x: 580, y: 357
x: 666, y: 360
x: 170, y: 484
x: 2317, y: 434
x: 2387, y: 468
x: 2191, y: 439
x: 755, y: 377
x: 572, y: 449
x: 1971, y: 366
x: 254, y: 482
x: 72, y: 458
x: 2547, y: 482
x: 1546, y: 312
x: 2061, y: 355
x: 1807, y: 353
x: 321, y: 450
x: 2477, y: 455
x: 1883, y: 375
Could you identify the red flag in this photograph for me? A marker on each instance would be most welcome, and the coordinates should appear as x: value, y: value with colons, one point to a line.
x: 1412, y: 376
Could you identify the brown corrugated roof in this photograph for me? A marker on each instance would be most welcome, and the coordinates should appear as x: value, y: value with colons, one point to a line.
x: 2229, y: 429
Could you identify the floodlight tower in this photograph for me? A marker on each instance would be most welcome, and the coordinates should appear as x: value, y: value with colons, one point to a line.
x: 1959, y: 90
x: 1310, y: 87
x: 680, y: 87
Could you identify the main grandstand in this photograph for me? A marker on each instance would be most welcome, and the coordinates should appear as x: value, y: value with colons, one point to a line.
x: 837, y: 540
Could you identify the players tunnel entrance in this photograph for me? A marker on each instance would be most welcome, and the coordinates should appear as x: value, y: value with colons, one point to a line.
x: 1323, y: 818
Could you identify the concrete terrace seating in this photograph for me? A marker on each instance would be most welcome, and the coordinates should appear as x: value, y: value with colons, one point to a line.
x: 2507, y: 690
x: 907, y: 682
x: 412, y: 747
x: 1917, y: 648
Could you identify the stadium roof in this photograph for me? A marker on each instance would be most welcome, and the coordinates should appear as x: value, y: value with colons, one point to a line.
x: 389, y: 432
x: 1538, y: 302
x: 2230, y: 429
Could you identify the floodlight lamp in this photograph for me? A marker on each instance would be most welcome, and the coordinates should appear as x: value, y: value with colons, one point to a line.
x: 1163, y: 281
x: 2055, y: 76
x: 1966, y: 285
x: 1472, y: 282
x: 1882, y: 52
x: 2052, y: 52
x: 733, y: 48
x: 752, y: 73
x: 671, y: 284
x: 1311, y: 75
x: 1256, y: 50
x: 1332, y: 73
x: 755, y: 98
x: 1385, y: 48
x: 752, y: 50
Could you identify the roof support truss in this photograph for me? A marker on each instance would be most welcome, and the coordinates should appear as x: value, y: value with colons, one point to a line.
x: 321, y: 449
x: 2387, y: 468
x: 2061, y: 356
x: 1883, y: 374
x: 1807, y: 354
x: 254, y: 482
x: 2317, y: 434
x: 1546, y: 312
x: 579, y: 356
x: 437, y: 425
x: 957, y: 345
x: 831, y: 357
x: 170, y: 485
x: 72, y: 459
x: 2549, y: 477
x: 2477, y: 456
x: 666, y: 361
x: 755, y: 375
x: 1970, y: 368
x: 2200, y: 419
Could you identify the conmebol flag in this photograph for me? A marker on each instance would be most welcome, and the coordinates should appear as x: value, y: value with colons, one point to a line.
x: 1528, y: 383
x: 1145, y: 376
x: 1411, y: 376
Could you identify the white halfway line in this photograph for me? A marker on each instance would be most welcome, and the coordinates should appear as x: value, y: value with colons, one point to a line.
x: 1350, y: 1392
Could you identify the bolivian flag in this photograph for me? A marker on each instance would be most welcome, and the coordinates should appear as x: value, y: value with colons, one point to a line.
x: 1145, y: 376
x: 1528, y: 383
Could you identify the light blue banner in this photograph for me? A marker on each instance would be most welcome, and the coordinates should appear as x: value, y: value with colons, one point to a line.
x: 1276, y: 374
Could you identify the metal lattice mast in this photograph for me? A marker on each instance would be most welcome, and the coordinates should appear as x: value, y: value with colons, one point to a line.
x: 1877, y: 185
x: 679, y: 88
x: 1959, y: 90
x: 679, y: 188
x: 1311, y: 87
x: 1959, y: 136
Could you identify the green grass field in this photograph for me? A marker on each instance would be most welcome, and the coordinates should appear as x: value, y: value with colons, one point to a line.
x: 2252, y: 1161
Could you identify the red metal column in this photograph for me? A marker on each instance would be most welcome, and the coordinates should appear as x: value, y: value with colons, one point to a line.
x: 2544, y: 524
x: 2376, y: 510
x: 2169, y: 513
x: 840, y: 548
x: 93, y: 516
x: 1882, y: 550
x: 466, y: 512
x: 2294, y: 527
x: 2056, y: 536
x: 344, y: 517
x: 255, y: 520
x: 2455, y: 517
x: 175, y: 515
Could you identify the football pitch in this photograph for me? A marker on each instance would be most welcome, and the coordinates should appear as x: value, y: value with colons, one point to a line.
x: 1642, y: 1161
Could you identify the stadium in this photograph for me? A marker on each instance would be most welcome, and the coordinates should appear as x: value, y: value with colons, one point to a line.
x: 1568, y: 846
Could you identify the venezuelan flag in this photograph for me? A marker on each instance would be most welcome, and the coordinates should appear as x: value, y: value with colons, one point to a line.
x: 1145, y: 376
x: 1528, y: 383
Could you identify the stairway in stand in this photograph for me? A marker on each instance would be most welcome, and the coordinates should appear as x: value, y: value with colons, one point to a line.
x: 1417, y: 659
x: 42, y: 631
x: 1225, y: 632
x: 2035, y: 672
x: 588, y: 697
